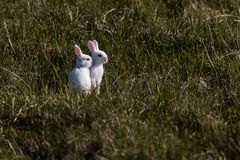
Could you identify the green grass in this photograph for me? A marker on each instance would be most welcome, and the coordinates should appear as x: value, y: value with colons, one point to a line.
x: 170, y: 89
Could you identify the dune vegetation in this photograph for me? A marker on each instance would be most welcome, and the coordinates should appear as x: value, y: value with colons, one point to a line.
x: 170, y: 89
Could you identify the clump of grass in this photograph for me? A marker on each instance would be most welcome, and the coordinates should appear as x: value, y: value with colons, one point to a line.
x: 170, y: 90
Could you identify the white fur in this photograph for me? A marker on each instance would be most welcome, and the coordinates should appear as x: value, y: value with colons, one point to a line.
x: 79, y: 76
x: 96, y: 71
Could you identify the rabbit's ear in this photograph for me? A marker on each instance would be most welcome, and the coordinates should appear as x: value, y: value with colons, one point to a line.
x: 96, y: 44
x: 77, y: 50
x: 91, y: 46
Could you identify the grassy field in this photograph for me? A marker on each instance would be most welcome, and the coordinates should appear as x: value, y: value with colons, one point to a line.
x: 170, y: 89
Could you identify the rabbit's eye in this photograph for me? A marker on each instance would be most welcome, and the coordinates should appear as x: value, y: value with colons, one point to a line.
x: 99, y: 55
x: 88, y: 59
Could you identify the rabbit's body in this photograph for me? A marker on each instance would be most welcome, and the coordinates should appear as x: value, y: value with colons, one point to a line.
x: 96, y: 75
x: 96, y: 71
x: 79, y: 77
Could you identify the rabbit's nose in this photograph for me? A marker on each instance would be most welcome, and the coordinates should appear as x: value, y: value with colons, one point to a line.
x: 105, y: 59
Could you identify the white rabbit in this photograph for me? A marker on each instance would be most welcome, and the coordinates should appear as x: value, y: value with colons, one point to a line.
x: 79, y: 76
x: 96, y: 70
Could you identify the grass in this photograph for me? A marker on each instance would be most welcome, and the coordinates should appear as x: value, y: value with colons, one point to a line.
x: 170, y: 89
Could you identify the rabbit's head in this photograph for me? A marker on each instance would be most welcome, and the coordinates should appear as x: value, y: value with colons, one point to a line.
x: 83, y: 60
x: 98, y: 56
